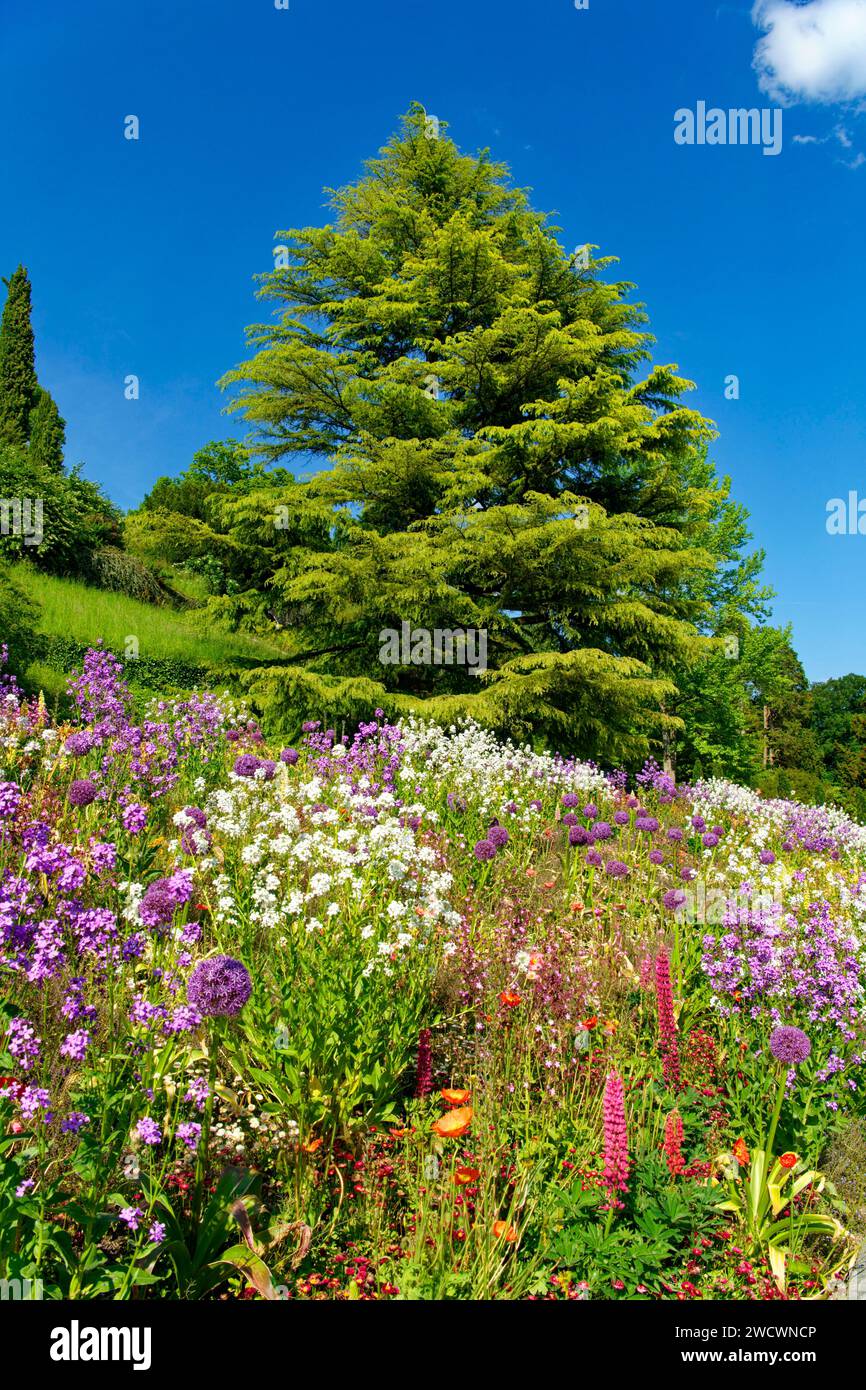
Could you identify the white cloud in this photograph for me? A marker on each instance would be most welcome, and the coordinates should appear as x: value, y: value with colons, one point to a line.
x: 811, y: 52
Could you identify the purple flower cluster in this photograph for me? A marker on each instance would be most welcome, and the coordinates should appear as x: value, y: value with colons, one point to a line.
x: 163, y: 897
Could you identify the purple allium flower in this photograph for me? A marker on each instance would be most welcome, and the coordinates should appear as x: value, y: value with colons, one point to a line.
x: 577, y: 835
x: 290, y: 756
x: 79, y: 743
x: 593, y: 859
x: 590, y: 811
x: 570, y: 818
x: 219, y: 987
x: 148, y: 1131
x: 246, y: 765
x: 675, y: 833
x: 498, y: 836
x: 616, y: 868
x: 131, y: 1215
x: 81, y: 792
x: 648, y: 824
x: 484, y: 850
x: 790, y: 1045
x: 698, y: 823
x: 601, y: 830
x: 189, y: 1133
x: 569, y: 800
x: 656, y: 856
x: 767, y: 856
x: 267, y: 768
x: 710, y: 840
x: 674, y: 899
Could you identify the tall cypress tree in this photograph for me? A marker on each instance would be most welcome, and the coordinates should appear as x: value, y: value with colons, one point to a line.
x: 47, y: 432
x: 17, y: 366
x: 495, y: 462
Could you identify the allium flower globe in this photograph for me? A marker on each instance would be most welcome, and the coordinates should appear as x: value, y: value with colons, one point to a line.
x: 219, y: 987
x: 790, y: 1045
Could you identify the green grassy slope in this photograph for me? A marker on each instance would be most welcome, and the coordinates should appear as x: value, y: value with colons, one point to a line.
x: 69, y: 609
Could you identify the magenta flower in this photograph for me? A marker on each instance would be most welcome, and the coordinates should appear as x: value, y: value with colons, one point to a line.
x: 616, y: 1164
x: 667, y: 1022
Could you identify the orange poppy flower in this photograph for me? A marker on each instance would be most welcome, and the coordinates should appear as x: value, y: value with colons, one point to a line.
x: 740, y: 1152
x: 502, y: 1231
x: 577, y: 907
x: 399, y: 1133
x: 510, y: 998
x: 455, y: 1123
x: 455, y: 1097
x: 311, y: 1145
x: 590, y: 1023
x: 464, y: 1175
x: 788, y: 1160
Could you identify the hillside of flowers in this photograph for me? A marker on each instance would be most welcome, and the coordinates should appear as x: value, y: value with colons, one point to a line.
x: 410, y: 1013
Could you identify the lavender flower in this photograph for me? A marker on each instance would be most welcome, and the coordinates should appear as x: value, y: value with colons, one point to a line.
x: 148, y: 1131
x: 134, y: 818
x: 189, y: 1134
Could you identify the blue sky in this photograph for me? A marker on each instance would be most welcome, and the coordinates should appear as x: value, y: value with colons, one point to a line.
x: 142, y: 253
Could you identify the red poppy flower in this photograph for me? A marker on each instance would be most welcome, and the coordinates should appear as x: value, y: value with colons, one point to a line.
x: 740, y: 1152
x: 590, y: 1023
x: 462, y: 1176
x: 509, y: 998
x: 788, y: 1160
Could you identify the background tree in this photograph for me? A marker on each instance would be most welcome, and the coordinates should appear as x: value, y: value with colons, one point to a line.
x: 17, y: 367
x: 47, y: 433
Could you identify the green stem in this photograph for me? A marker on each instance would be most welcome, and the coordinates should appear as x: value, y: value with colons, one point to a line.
x: 780, y: 1096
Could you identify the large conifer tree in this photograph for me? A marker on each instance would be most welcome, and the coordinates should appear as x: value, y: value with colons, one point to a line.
x: 496, y: 460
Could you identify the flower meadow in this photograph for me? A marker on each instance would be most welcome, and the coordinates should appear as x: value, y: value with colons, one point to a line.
x: 408, y: 1012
